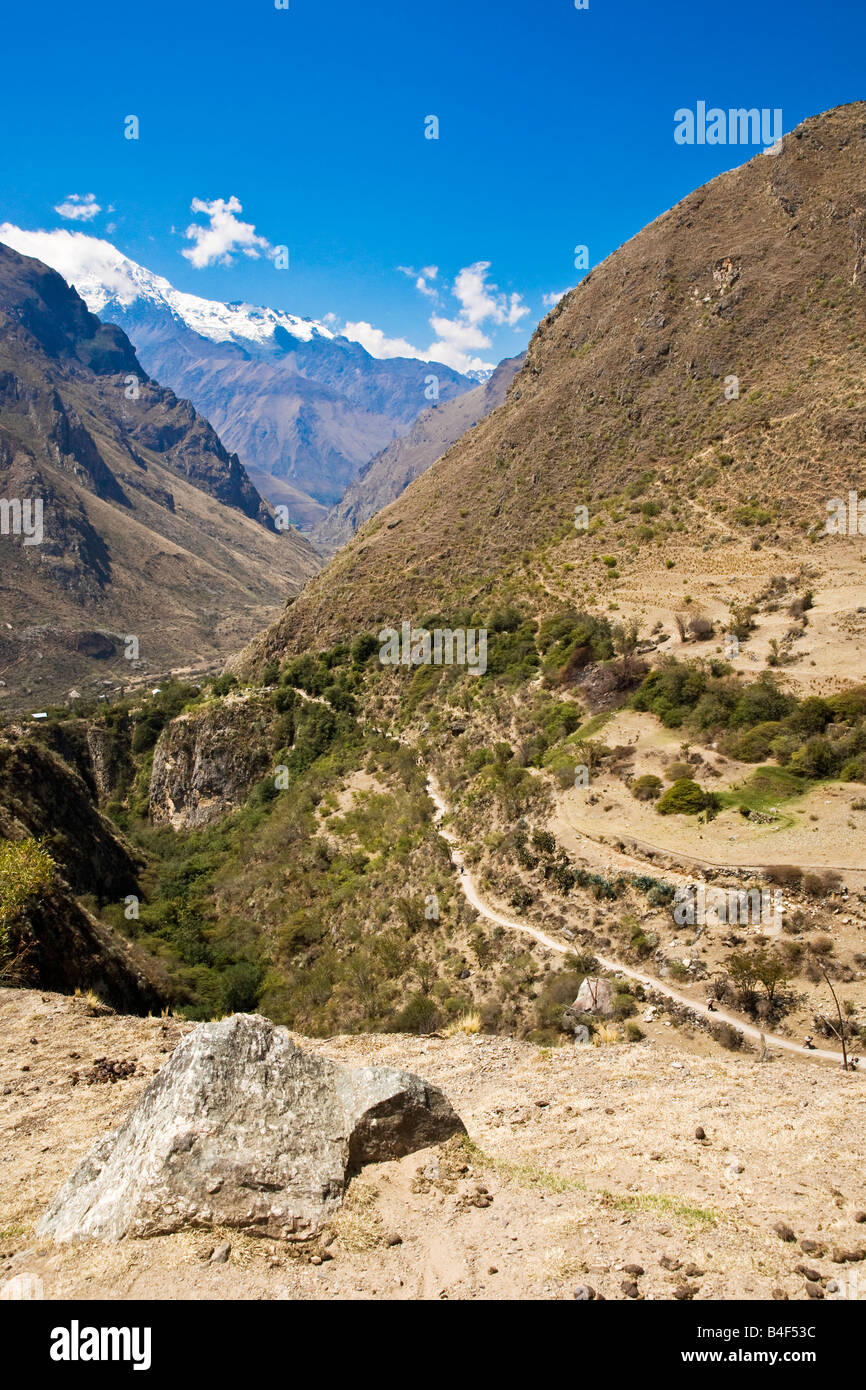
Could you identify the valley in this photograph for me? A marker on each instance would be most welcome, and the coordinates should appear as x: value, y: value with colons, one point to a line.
x: 548, y: 786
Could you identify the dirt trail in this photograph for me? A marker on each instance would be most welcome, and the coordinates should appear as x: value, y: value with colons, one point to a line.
x: 473, y: 895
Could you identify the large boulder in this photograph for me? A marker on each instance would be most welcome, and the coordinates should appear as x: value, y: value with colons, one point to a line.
x: 242, y: 1128
x: 595, y: 996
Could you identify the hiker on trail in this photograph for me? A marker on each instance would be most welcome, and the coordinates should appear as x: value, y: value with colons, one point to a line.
x: 807, y: 1042
x: 711, y: 1006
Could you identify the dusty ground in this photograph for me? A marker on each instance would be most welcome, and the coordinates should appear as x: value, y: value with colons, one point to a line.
x: 588, y: 1159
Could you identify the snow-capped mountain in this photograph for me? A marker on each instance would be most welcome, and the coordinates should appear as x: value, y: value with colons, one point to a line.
x: 303, y: 407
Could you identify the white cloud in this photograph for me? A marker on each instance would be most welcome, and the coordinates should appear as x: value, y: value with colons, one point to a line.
x: 376, y: 342
x: 422, y: 279
x: 79, y: 207
x: 552, y: 299
x: 458, y: 339
x: 96, y: 268
x: 225, y: 234
x: 482, y: 305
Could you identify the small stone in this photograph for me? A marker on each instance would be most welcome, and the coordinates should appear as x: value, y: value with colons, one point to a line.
x: 584, y: 1293
x: 221, y: 1254
x: 814, y: 1291
x: 843, y: 1257
x: 316, y: 1260
x: 860, y: 1217
x: 807, y: 1272
x: 685, y: 1291
x: 692, y: 1272
x: 393, y: 1238
x: 635, y: 1270
x: 700, y: 1132
x: 811, y: 1247
x: 669, y: 1262
x: 630, y: 1288
x: 783, y: 1231
x: 492, y: 1269
x: 780, y: 1295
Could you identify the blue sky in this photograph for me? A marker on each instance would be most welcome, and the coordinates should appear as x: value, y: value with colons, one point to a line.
x: 556, y: 130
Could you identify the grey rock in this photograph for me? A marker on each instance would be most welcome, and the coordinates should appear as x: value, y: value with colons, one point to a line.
x: 595, y: 996
x: 221, y: 1254
x: 242, y: 1129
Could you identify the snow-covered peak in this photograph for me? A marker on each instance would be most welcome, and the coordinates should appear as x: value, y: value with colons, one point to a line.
x: 103, y: 276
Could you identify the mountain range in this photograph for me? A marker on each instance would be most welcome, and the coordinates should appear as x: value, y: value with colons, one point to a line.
x: 148, y: 527
x: 390, y: 472
x: 304, y: 408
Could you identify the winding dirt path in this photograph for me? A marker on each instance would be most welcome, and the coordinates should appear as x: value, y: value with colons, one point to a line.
x: 473, y: 895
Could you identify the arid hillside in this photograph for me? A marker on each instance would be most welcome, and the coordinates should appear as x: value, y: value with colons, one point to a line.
x: 700, y: 393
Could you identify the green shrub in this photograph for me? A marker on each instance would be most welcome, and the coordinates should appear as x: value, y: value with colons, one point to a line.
x: 646, y: 787
x: 677, y: 770
x: 26, y: 872
x: 420, y: 1015
x: 686, y: 798
x: 223, y: 684
x: 756, y: 745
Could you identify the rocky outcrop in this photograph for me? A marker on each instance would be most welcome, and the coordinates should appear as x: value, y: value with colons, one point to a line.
x: 110, y: 759
x: 242, y: 1128
x: 205, y: 762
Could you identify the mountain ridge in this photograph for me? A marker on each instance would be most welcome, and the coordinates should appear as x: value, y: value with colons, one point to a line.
x: 148, y: 520
x: 757, y: 279
x: 390, y: 472
x: 299, y: 403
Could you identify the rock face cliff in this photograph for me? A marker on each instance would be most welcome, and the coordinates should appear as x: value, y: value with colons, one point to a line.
x: 205, y: 762
x: 53, y: 941
x: 123, y: 513
x: 58, y: 945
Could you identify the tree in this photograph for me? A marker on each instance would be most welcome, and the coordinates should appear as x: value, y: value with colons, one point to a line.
x: 842, y: 1031
x: 625, y: 637
x: 760, y: 967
